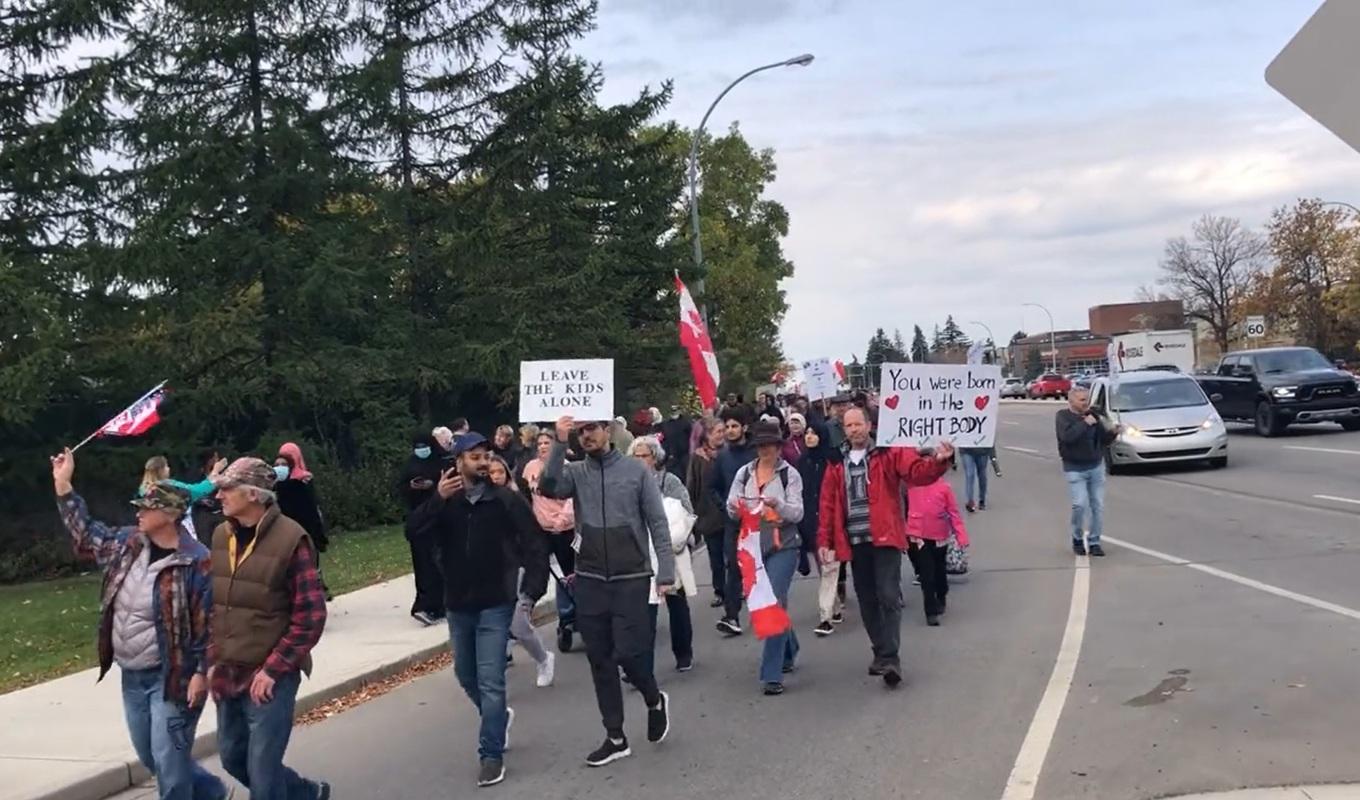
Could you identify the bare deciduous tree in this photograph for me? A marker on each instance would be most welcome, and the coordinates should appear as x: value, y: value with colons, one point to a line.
x: 1212, y: 271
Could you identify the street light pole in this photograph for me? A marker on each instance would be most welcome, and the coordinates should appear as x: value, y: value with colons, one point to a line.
x: 1052, y: 333
x: 797, y: 61
x: 1353, y: 209
x: 990, y: 337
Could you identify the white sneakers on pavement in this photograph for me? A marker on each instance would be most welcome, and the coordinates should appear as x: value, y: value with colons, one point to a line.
x: 546, y: 671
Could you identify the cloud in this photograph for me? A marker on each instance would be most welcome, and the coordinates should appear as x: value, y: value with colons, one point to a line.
x: 723, y: 18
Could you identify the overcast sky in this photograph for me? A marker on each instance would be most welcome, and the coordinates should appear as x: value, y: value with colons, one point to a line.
x: 964, y: 158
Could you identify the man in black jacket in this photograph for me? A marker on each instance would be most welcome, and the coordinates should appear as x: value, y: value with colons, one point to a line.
x: 675, y: 441
x: 736, y: 453
x: 1083, y: 435
x: 485, y: 535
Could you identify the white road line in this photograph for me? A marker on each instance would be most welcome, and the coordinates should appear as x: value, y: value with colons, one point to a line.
x: 1008, y: 422
x: 1235, y: 578
x: 1322, y: 449
x: 1335, y: 499
x: 1021, y: 450
x: 1029, y: 763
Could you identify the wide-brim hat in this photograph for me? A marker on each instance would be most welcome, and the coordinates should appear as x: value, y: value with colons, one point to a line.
x: 763, y: 433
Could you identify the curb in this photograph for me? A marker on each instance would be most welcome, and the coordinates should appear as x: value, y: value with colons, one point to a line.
x: 131, y: 774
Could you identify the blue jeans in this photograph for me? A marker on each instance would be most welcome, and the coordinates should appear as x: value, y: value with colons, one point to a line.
x: 975, y: 470
x: 253, y: 738
x: 478, y: 639
x: 779, y: 650
x: 1086, y: 488
x: 163, y: 736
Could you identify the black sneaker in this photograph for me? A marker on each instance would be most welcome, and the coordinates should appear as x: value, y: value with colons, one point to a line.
x: 789, y: 668
x: 1079, y: 548
x: 424, y: 618
x: 773, y: 689
x: 876, y: 667
x: 837, y: 618
x: 684, y: 664
x: 492, y: 773
x: 323, y: 790
x: 824, y: 629
x: 717, y: 602
x: 564, y: 639
x: 659, y: 720
x: 609, y: 752
x: 933, y: 620
x: 729, y: 627
x: 1097, y: 551
x: 892, y: 676
x: 982, y: 506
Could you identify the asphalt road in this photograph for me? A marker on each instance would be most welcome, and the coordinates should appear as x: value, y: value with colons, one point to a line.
x: 1236, y: 670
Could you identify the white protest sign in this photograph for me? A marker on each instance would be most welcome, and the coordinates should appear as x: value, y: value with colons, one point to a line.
x: 820, y: 377
x: 581, y: 387
x: 923, y: 404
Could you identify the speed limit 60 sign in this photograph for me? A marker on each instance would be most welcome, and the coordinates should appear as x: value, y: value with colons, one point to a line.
x: 1256, y: 327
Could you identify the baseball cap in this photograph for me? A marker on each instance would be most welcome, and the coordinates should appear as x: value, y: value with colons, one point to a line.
x: 467, y: 442
x: 164, y: 497
x: 246, y: 471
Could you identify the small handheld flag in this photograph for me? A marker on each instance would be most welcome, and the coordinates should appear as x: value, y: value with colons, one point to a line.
x: 134, y: 420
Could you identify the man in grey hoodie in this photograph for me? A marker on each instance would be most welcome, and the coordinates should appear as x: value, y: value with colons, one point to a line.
x: 618, y: 509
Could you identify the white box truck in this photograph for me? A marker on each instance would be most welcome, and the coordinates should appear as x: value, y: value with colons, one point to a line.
x: 1152, y: 349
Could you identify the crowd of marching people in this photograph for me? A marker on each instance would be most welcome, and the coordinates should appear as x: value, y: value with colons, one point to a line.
x: 230, y: 602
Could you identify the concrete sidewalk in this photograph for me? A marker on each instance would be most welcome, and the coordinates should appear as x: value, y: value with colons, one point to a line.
x: 67, y: 739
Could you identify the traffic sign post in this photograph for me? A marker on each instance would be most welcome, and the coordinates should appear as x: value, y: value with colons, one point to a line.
x: 1256, y: 327
x: 1316, y: 70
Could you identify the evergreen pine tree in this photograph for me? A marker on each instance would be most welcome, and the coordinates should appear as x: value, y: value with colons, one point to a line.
x: 920, y: 350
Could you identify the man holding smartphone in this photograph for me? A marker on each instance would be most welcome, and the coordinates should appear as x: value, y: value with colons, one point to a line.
x: 484, y: 534
x: 1083, y: 435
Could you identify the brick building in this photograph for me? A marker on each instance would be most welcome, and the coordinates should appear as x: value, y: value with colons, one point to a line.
x: 1160, y: 315
x: 1077, y: 351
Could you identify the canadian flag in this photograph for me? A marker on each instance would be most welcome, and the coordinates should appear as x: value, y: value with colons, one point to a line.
x: 840, y: 370
x: 694, y: 338
x: 768, y: 618
x: 137, y: 418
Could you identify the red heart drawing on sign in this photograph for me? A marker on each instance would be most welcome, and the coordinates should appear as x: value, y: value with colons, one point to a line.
x: 891, y: 402
x: 981, y: 401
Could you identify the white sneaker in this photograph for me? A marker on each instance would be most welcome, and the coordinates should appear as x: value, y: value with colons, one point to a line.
x: 509, y: 721
x: 546, y: 671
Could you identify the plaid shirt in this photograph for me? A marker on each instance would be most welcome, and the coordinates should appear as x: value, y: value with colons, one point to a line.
x: 306, y: 622
x: 182, y: 596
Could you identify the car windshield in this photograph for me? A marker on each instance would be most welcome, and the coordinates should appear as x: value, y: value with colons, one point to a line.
x: 1145, y: 395
x: 1290, y: 361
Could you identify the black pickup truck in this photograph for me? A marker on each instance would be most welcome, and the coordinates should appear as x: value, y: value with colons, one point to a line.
x: 1276, y: 387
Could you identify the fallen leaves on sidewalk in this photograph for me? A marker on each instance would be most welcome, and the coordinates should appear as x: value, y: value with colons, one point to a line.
x: 375, y: 689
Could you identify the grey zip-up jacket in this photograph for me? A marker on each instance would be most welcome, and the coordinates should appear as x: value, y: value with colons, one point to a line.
x: 618, y: 506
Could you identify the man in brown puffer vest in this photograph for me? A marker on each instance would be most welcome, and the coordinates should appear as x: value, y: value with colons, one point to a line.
x: 268, y: 613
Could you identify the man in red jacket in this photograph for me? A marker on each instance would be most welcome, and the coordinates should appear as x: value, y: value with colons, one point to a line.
x: 863, y: 521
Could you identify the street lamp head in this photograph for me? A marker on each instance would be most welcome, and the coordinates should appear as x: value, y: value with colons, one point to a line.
x: 799, y: 61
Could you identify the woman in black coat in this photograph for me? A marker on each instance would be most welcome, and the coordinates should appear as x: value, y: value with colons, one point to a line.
x: 417, y: 484
x: 812, y: 467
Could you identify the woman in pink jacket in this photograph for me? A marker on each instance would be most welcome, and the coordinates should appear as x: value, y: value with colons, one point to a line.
x: 932, y: 516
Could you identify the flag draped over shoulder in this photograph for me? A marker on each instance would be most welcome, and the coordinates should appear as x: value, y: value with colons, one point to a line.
x: 694, y: 338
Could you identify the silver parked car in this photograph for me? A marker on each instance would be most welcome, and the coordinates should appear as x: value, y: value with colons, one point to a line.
x: 1166, y: 417
x: 1014, y: 387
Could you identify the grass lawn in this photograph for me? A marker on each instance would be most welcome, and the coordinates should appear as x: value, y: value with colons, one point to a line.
x: 48, y: 628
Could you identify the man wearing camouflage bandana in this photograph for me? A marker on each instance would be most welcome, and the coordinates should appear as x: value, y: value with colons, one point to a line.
x: 150, y: 570
x: 268, y: 614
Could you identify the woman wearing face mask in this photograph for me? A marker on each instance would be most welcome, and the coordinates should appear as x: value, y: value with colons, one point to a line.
x: 416, y: 485
x: 521, y: 626
x: 297, y: 499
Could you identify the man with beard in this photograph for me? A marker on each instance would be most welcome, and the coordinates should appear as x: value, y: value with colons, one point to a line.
x: 485, y: 535
x: 619, y: 516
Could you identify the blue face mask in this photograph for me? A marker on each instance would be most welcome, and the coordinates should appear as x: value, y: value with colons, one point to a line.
x: 281, y: 471
x: 422, y: 452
